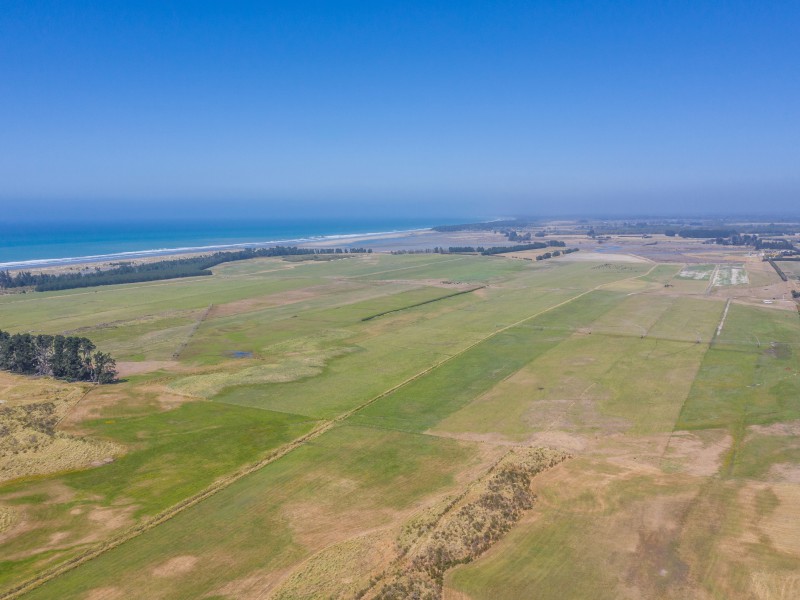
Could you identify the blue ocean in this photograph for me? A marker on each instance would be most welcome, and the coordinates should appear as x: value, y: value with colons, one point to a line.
x: 40, y: 244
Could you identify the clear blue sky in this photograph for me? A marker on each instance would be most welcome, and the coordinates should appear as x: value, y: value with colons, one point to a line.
x: 488, y: 107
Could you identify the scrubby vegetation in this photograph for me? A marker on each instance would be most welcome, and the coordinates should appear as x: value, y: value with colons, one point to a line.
x: 469, y: 527
x: 30, y: 444
x: 7, y: 518
x: 72, y: 358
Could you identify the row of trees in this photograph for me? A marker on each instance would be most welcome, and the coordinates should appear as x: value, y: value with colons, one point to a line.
x: 523, y: 247
x: 555, y: 253
x: 435, y: 250
x: 465, y: 249
x: 64, y: 357
x: 503, y: 249
x: 756, y: 242
x: 515, y: 236
x: 780, y: 244
x: 153, y: 271
x: 481, y: 249
x: 725, y: 237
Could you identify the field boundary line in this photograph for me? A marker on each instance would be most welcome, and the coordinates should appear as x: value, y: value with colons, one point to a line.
x: 177, y: 354
x: 709, y: 345
x: 424, y: 302
x: 711, y: 280
x: 722, y: 320
x: 224, y: 482
x: 83, y: 395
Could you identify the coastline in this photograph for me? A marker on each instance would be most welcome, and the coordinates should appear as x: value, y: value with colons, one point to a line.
x: 313, y: 241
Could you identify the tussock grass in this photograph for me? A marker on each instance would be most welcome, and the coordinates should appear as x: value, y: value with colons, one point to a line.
x: 55, y: 454
x: 29, y: 442
x: 322, y: 577
x: 7, y: 518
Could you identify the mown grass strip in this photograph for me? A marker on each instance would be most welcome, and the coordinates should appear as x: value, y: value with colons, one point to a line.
x: 445, y: 297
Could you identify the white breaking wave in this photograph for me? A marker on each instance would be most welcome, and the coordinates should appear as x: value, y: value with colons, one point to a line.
x: 77, y: 260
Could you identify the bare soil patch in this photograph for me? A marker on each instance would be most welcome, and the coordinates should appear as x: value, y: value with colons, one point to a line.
x: 106, y: 593
x: 695, y: 455
x: 128, y: 368
x: 279, y: 299
x: 316, y: 525
x: 110, y: 517
x: 155, y: 396
x: 256, y: 586
x: 563, y: 440
x: 781, y: 524
x: 656, y: 569
x: 179, y: 565
x: 784, y: 472
x: 17, y: 521
x: 791, y: 428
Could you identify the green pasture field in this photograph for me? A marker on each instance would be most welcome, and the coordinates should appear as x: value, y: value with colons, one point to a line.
x: 663, y: 273
x: 350, y: 480
x: 739, y: 390
x: 167, y: 461
x: 595, y: 383
x: 683, y: 442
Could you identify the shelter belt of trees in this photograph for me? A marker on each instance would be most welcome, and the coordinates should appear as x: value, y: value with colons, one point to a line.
x: 153, y: 271
x: 64, y: 357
